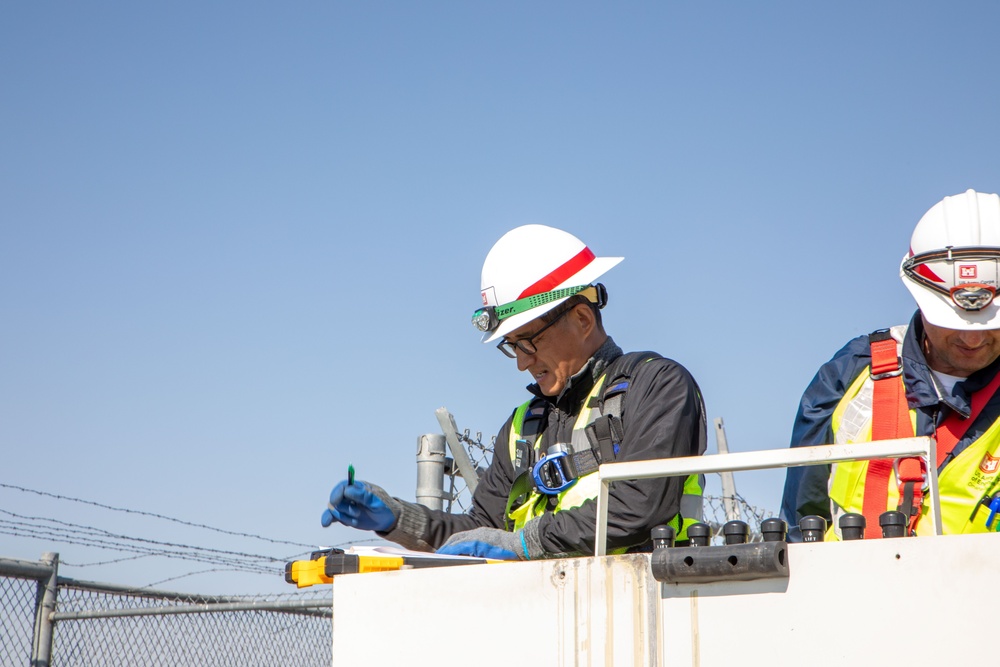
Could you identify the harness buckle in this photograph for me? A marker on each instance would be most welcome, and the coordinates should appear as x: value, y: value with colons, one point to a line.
x: 556, y: 471
x: 907, y: 473
x: 884, y: 356
x: 888, y: 374
x: 911, y: 474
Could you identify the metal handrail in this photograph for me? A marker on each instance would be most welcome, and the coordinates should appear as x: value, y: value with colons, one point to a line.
x: 762, y: 460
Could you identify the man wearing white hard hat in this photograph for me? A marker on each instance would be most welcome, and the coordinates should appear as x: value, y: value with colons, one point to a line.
x: 590, y: 404
x: 937, y: 376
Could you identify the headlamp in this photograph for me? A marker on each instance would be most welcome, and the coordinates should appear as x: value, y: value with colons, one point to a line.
x: 485, y: 319
x: 973, y: 296
x: 490, y: 317
x: 962, y: 281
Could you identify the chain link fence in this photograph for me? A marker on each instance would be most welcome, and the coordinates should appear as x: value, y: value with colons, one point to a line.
x: 105, y: 624
x: 17, y: 619
x: 155, y: 631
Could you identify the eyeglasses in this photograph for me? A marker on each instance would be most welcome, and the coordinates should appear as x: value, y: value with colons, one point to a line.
x: 527, y: 345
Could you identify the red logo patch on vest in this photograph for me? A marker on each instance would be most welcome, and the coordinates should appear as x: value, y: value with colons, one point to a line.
x: 989, y: 464
x: 967, y: 271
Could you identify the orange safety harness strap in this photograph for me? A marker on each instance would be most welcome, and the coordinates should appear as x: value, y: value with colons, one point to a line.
x: 954, y: 426
x: 890, y: 420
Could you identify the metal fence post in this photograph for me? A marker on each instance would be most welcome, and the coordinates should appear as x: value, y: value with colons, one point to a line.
x: 45, y: 606
x: 728, y: 481
x: 462, y: 460
x: 430, y: 470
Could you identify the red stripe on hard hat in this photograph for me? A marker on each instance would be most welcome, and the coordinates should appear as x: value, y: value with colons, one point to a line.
x: 927, y: 273
x: 560, y: 275
x: 924, y: 270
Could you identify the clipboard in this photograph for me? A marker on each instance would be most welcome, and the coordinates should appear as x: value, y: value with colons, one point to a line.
x: 325, y: 564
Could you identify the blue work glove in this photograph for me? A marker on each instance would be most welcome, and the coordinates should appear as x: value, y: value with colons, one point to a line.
x: 362, y: 505
x: 495, y: 543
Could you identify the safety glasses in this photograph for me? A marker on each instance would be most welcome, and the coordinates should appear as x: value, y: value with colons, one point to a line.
x: 527, y: 345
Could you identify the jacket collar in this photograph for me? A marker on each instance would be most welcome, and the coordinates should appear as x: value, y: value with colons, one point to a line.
x: 920, y: 389
x: 578, y: 387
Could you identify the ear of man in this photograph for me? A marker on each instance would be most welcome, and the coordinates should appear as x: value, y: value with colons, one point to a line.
x: 587, y: 326
x: 582, y: 317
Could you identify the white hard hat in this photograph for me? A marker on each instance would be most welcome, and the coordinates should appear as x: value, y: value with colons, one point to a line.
x: 528, y: 272
x: 953, y: 265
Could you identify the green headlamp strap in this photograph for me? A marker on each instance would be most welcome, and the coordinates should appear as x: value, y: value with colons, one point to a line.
x: 489, y: 318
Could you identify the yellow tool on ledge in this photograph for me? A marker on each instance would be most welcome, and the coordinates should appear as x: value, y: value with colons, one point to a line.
x: 324, y: 565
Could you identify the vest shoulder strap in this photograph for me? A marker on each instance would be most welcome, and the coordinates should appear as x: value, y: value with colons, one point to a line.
x: 524, y: 429
x: 605, y: 433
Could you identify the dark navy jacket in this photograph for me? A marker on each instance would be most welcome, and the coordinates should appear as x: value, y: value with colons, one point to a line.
x: 663, y: 416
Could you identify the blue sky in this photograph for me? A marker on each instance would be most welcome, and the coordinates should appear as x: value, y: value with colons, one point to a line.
x: 240, y: 243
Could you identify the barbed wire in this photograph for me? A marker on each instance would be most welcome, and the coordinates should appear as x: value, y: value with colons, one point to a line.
x: 716, y: 514
x: 104, y: 562
x: 481, y: 456
x: 150, y: 514
x: 70, y: 533
x: 83, y: 530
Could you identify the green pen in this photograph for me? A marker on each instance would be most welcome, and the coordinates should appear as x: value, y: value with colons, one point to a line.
x: 350, y: 474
